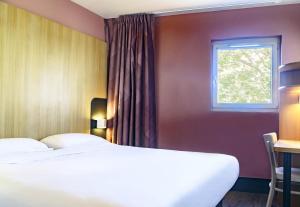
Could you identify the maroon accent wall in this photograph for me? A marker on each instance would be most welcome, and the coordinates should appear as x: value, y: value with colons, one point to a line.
x: 65, y: 12
x: 185, y: 120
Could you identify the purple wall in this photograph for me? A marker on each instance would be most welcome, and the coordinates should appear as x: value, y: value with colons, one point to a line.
x: 185, y: 121
x: 66, y: 13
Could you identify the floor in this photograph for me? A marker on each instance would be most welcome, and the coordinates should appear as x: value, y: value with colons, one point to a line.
x: 238, y: 199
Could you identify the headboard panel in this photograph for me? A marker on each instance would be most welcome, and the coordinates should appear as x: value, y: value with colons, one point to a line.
x: 49, y: 75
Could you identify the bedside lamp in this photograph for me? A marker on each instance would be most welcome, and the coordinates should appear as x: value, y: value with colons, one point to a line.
x: 290, y: 76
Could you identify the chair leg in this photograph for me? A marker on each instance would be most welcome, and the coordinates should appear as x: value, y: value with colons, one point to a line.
x: 271, y: 194
x: 276, y: 195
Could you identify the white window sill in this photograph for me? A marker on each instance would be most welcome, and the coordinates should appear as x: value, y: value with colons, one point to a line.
x: 250, y: 110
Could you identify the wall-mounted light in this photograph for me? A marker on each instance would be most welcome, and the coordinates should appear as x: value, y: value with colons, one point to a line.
x: 290, y: 76
x: 101, y: 123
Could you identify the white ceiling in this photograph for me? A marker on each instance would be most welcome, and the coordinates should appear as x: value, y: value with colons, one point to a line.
x: 114, y: 8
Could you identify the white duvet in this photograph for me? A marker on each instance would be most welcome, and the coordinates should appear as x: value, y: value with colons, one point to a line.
x: 108, y: 175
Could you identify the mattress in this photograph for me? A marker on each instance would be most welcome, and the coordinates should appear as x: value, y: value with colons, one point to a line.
x: 109, y: 175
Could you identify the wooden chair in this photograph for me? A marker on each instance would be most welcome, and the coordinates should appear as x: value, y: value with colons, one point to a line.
x: 277, y: 172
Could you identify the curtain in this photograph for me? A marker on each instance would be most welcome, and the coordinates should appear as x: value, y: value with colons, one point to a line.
x: 131, y: 85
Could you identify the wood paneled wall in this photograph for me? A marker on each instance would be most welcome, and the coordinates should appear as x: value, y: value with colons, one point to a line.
x: 48, y: 75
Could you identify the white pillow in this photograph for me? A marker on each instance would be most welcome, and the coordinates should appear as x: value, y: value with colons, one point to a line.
x: 68, y: 140
x: 13, y: 145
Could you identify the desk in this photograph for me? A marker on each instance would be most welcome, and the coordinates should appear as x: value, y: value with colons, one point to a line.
x: 287, y: 147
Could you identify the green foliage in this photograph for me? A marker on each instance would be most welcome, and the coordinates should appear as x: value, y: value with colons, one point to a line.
x: 245, y: 75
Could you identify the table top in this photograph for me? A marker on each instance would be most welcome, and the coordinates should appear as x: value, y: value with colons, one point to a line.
x: 291, y: 146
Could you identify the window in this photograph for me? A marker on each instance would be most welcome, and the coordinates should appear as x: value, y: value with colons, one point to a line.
x: 245, y: 75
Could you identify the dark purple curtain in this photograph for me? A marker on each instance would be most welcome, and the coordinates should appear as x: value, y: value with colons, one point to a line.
x: 131, y: 86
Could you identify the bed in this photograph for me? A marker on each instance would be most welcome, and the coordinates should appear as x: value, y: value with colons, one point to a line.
x: 109, y: 175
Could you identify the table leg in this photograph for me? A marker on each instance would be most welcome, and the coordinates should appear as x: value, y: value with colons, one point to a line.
x: 287, y: 165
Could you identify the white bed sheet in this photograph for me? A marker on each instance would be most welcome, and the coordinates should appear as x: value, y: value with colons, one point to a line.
x: 115, y: 176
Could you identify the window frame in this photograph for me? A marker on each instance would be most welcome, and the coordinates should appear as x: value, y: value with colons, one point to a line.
x: 255, y: 42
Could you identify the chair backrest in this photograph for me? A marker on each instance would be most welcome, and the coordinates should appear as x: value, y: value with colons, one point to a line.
x: 270, y: 139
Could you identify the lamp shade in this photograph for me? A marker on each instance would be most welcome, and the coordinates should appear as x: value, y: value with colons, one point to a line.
x: 290, y: 75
